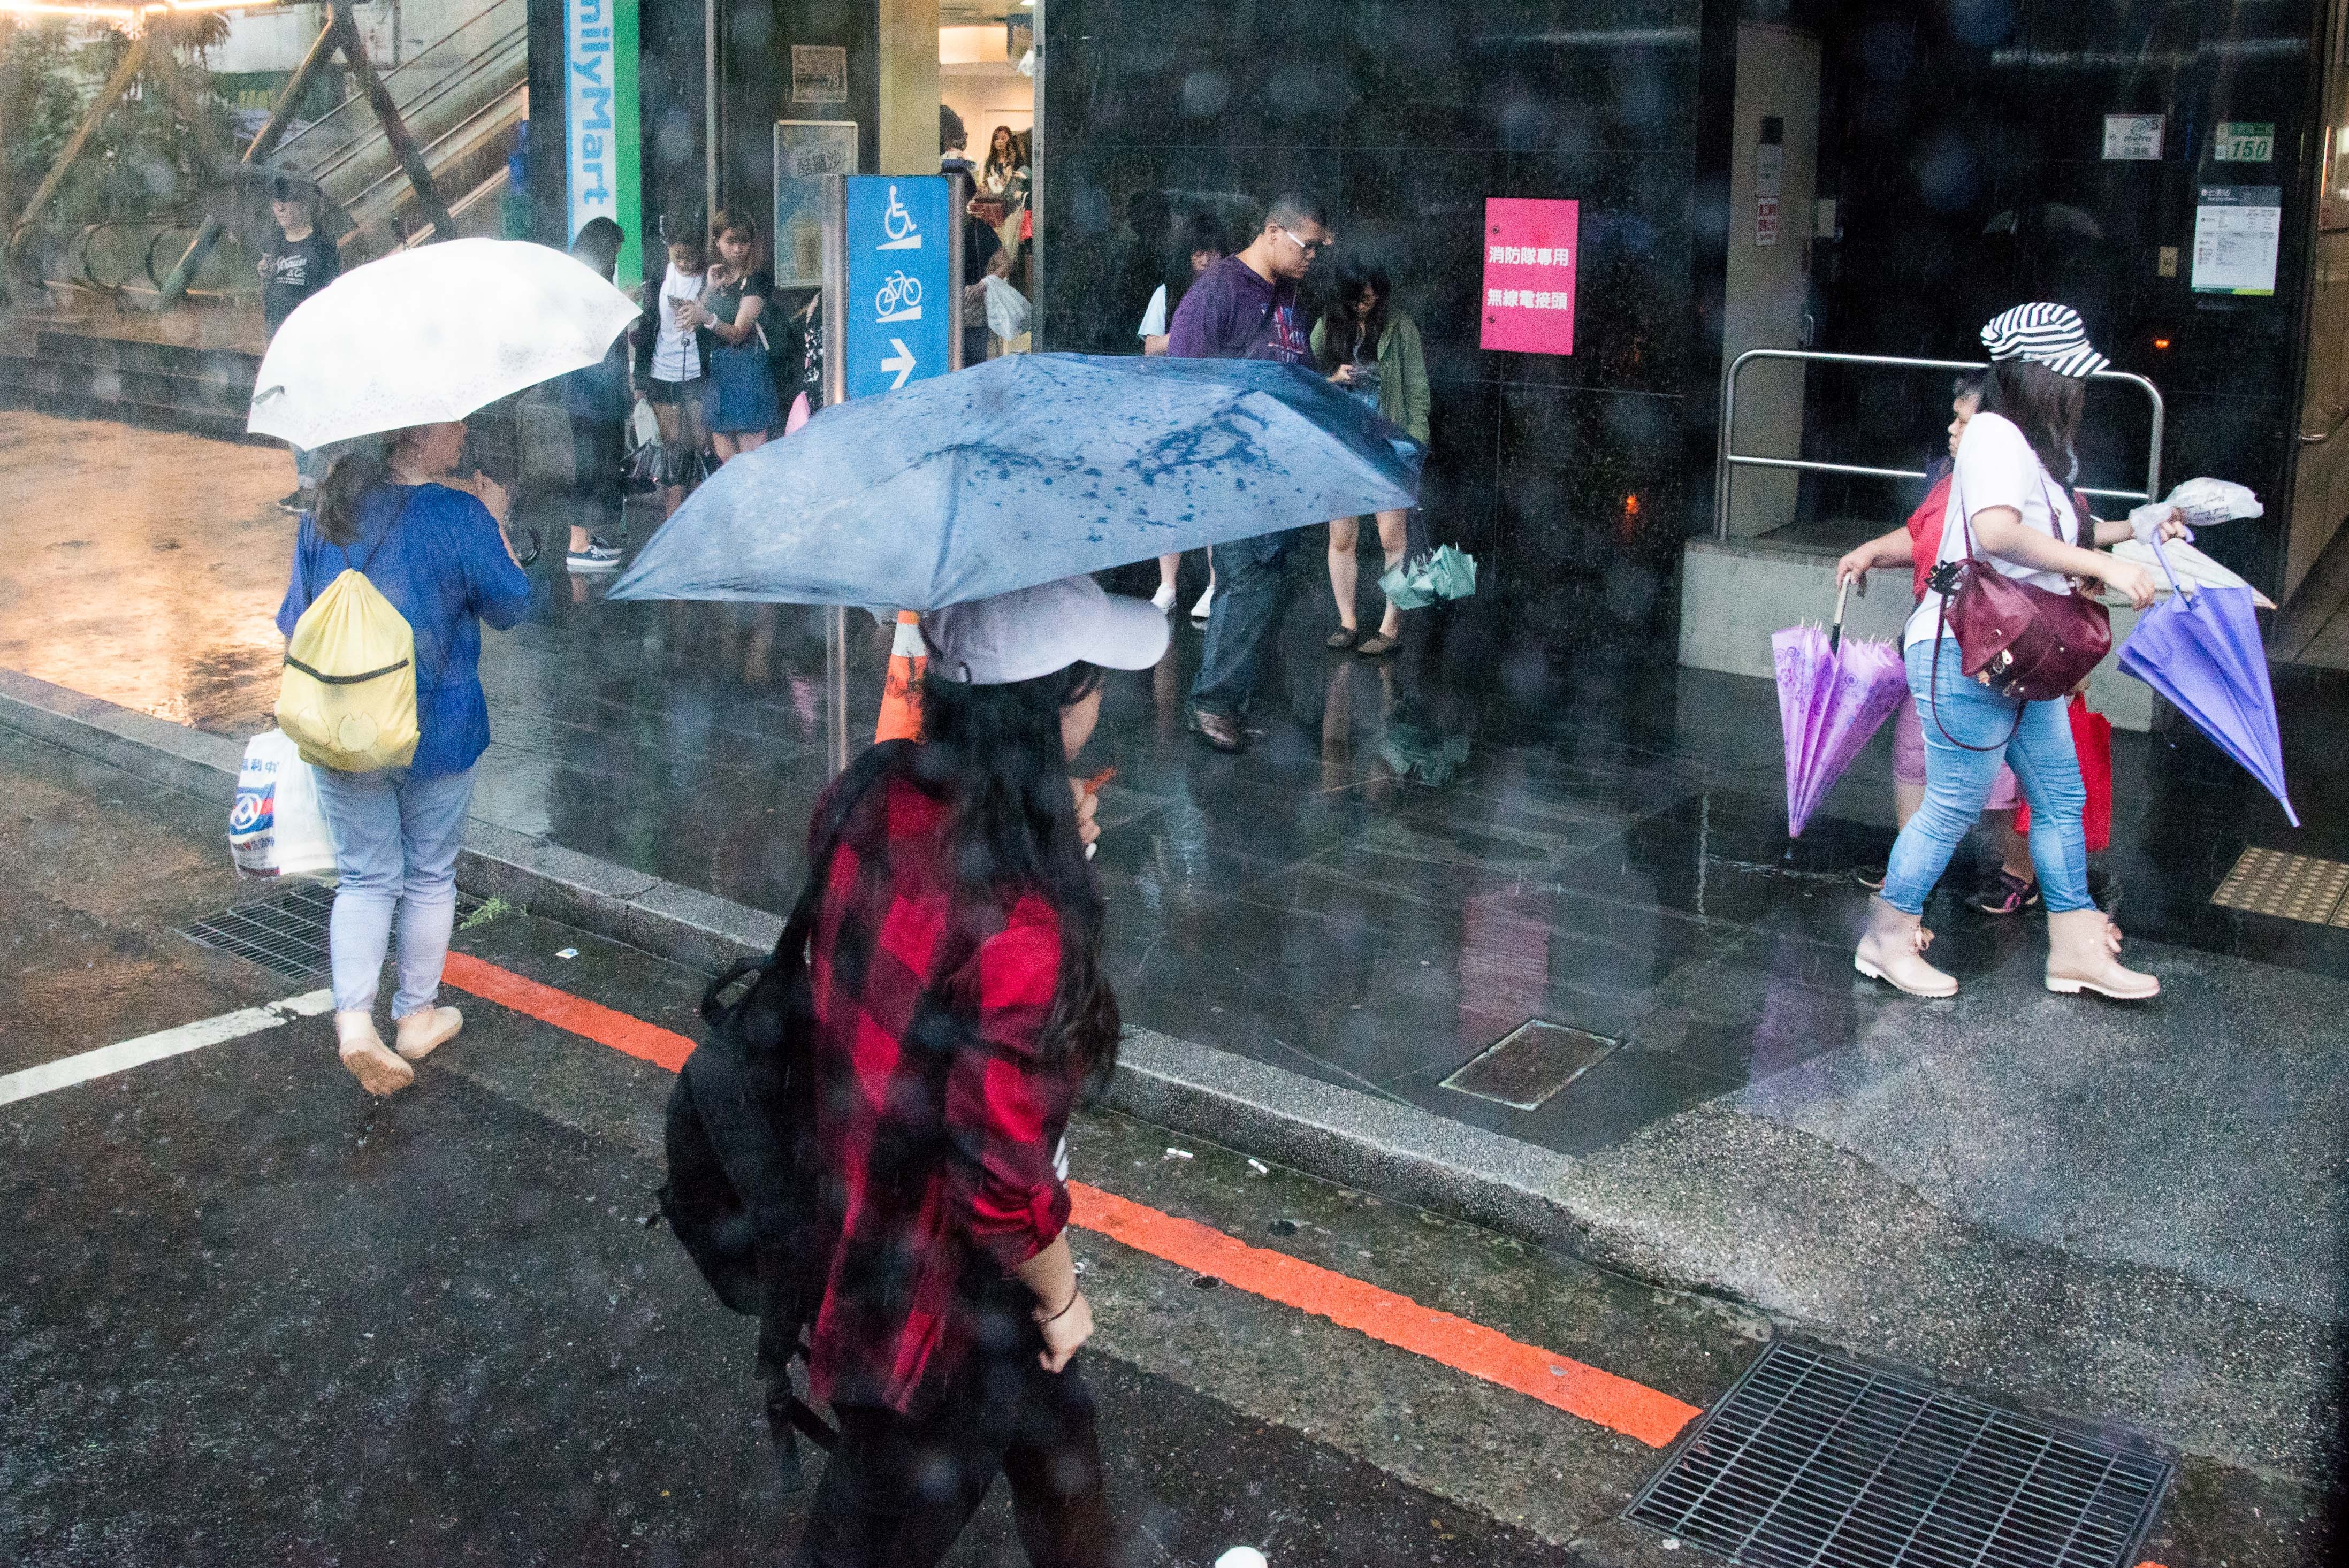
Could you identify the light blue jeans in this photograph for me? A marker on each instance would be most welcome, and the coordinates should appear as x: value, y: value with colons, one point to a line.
x: 1958, y: 781
x: 395, y: 842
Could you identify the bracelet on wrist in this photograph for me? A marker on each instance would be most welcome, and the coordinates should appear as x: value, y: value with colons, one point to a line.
x: 1074, y: 1296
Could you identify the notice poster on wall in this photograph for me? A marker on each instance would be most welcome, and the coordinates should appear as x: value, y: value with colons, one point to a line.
x: 805, y: 151
x: 1530, y: 251
x: 2133, y: 138
x: 818, y: 74
x: 601, y: 173
x: 2236, y: 230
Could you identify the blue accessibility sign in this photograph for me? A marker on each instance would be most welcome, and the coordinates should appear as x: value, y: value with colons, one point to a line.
x: 900, y: 274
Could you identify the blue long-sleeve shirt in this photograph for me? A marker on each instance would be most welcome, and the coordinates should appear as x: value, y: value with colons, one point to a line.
x: 444, y: 567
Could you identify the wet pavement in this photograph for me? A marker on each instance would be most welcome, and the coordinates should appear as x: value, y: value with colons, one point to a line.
x: 252, y: 1316
x: 1516, y: 818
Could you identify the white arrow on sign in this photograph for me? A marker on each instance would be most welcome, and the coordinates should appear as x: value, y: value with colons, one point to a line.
x: 902, y: 362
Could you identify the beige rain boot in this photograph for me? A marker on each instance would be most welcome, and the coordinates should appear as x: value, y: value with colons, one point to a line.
x: 428, y: 1028
x: 2084, y: 954
x: 1892, y: 951
x: 379, y: 1072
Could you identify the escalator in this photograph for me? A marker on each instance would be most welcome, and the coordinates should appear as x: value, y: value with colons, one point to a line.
x: 463, y: 98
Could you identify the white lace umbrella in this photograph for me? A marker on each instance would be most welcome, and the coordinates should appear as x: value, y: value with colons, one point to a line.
x: 431, y: 334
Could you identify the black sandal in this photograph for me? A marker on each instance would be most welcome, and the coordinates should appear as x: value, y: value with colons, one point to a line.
x: 1379, y: 646
x: 1344, y: 637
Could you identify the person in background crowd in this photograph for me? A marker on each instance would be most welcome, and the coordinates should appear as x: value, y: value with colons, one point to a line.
x: 1374, y: 352
x: 953, y: 140
x: 598, y: 399
x: 2007, y: 507
x: 675, y: 370
x: 297, y: 262
x: 1006, y: 170
x: 1244, y: 307
x: 1201, y: 246
x: 740, y: 397
x: 945, y: 1073
x: 438, y: 554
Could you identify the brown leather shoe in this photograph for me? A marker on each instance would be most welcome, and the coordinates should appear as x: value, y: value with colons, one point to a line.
x: 1220, y: 731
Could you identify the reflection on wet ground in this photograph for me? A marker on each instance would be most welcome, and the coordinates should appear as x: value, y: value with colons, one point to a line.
x: 1502, y: 823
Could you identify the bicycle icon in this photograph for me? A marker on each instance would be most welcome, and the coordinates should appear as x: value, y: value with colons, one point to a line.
x: 900, y: 298
x: 898, y: 223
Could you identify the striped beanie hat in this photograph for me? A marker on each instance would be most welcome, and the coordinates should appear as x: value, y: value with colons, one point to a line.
x: 2044, y: 333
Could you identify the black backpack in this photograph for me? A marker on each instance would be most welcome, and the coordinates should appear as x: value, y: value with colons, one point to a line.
x: 743, y: 1192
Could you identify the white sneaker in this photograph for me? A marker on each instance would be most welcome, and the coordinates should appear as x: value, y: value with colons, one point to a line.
x: 1163, y: 600
x: 1199, y: 610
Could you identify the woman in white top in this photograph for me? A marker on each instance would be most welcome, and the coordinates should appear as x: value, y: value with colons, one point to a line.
x: 674, y: 389
x: 2011, y: 495
x: 1204, y: 242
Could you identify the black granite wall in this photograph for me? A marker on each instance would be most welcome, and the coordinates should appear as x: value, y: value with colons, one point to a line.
x: 1965, y: 142
x: 1574, y: 479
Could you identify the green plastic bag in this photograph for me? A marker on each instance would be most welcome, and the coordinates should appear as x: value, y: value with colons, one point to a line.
x: 1442, y: 574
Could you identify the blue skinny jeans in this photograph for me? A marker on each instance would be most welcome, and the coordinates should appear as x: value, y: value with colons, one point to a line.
x: 1958, y: 781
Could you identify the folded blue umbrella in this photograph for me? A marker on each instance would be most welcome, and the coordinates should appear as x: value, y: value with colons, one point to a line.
x: 2205, y: 654
x: 1024, y: 470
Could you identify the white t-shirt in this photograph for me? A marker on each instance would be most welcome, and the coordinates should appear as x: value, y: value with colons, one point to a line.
x: 676, y: 357
x: 1154, y: 320
x: 1996, y: 467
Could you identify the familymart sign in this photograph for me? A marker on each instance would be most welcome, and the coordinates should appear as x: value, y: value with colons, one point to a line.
x: 599, y: 121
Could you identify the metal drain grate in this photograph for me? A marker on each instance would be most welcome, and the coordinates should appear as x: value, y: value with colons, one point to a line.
x: 285, y: 935
x: 1815, y: 1458
x: 2291, y: 887
x: 1530, y: 1063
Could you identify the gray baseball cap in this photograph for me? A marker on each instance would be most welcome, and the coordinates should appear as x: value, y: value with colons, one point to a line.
x: 1033, y: 631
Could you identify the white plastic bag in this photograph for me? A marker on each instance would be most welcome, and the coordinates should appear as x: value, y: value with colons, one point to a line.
x: 2207, y: 502
x: 1006, y: 309
x: 643, y: 424
x: 275, y: 827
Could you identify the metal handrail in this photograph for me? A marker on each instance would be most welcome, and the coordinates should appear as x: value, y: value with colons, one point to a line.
x: 1728, y: 459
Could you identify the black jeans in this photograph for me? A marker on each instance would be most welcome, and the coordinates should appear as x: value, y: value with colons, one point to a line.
x: 897, y: 1491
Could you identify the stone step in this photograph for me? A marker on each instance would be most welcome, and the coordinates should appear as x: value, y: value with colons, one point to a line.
x: 230, y: 369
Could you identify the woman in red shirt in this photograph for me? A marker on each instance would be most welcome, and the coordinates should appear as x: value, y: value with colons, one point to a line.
x: 960, y: 1008
x: 1915, y: 545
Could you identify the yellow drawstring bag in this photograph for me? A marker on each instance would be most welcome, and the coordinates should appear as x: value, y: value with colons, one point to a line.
x: 348, y: 699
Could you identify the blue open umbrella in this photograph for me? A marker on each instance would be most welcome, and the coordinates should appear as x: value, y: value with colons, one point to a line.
x: 1023, y: 470
x: 2204, y: 653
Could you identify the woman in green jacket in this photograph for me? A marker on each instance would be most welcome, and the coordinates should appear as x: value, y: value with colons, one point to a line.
x: 1373, y: 353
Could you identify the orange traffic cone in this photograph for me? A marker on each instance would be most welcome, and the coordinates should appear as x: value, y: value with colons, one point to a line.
x: 901, y: 710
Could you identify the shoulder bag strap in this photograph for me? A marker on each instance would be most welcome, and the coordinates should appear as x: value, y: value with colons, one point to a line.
x: 1942, y: 632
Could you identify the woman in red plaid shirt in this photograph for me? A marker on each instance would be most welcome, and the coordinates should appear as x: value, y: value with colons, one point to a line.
x: 961, y: 1008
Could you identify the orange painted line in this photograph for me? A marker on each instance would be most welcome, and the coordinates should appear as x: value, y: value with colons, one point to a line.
x: 605, y: 1025
x: 1596, y: 1396
x: 1616, y: 1403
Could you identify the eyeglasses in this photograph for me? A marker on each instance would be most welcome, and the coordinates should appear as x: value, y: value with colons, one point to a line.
x: 1308, y: 246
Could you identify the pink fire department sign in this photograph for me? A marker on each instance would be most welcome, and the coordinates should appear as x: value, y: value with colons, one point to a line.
x: 1529, y: 256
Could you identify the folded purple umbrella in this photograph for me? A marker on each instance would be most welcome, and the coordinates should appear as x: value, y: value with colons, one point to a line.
x: 1832, y: 697
x: 2204, y: 653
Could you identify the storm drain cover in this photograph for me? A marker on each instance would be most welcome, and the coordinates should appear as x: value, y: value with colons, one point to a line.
x: 285, y: 935
x: 1813, y: 1458
x: 1529, y: 1063
x: 2291, y: 887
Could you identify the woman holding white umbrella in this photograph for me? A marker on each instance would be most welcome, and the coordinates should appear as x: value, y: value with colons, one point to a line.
x: 389, y: 360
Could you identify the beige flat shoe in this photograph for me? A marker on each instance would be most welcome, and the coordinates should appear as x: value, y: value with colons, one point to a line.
x: 427, y: 1030
x: 362, y: 1051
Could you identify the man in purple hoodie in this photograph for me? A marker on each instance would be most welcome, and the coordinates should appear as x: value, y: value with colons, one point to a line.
x: 1244, y: 307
